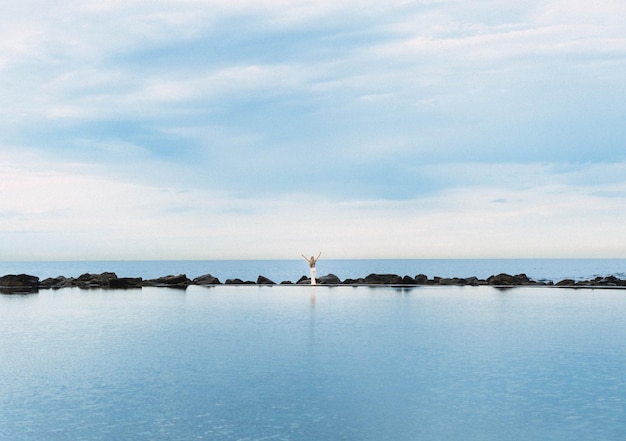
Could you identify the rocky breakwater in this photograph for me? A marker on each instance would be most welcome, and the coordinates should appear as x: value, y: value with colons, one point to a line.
x: 87, y: 281
x: 24, y: 283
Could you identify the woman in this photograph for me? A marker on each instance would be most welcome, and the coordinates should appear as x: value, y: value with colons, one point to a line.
x: 312, y: 262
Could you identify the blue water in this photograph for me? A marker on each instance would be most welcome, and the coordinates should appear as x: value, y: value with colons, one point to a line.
x: 304, y: 363
x: 292, y: 270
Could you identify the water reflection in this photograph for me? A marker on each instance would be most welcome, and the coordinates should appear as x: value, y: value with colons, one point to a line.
x: 18, y: 291
x: 352, y: 363
x: 403, y: 289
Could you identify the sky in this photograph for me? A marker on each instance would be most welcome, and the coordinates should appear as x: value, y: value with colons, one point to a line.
x: 241, y: 129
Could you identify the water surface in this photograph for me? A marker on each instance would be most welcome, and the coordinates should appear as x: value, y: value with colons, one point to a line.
x: 290, y: 363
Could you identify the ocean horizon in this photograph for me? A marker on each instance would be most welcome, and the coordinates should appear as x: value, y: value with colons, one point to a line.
x: 280, y: 270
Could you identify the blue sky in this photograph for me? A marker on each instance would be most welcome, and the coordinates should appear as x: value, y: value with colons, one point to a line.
x: 206, y: 129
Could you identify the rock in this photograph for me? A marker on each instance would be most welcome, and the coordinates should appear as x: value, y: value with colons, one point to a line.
x: 604, y: 281
x: 566, y: 282
x: 238, y: 281
x: 500, y: 279
x: 452, y: 281
x: 56, y: 283
x: 383, y: 279
x: 94, y: 280
x: 408, y: 280
x: 304, y: 280
x: 262, y: 280
x: 508, y: 280
x: 206, y: 279
x: 597, y: 281
x: 26, y: 283
x: 475, y: 281
x: 462, y: 281
x: 20, y: 283
x: 126, y: 283
x: 353, y: 282
x: 179, y: 281
x: 421, y: 279
x: 233, y: 282
x: 328, y: 279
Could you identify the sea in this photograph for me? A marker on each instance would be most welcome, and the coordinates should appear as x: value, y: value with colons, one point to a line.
x: 432, y: 363
x: 292, y: 270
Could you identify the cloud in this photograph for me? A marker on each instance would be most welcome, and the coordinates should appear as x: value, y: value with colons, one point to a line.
x: 204, y: 128
x: 64, y: 211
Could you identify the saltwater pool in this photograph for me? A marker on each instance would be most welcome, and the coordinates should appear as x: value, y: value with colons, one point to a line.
x: 302, y: 363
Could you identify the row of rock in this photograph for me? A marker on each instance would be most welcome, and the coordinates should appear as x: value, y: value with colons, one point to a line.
x: 27, y: 283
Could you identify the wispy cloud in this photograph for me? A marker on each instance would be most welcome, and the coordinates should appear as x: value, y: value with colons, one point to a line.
x: 93, y: 215
x: 373, y: 128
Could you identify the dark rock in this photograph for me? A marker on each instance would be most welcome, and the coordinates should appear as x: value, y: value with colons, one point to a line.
x: 566, y: 282
x: 102, y: 278
x: 383, y: 279
x: 353, y: 282
x: 501, y: 279
x: 304, y: 280
x: 452, y: 281
x: 233, y: 282
x: 597, y: 281
x: 508, y: 280
x: 56, y: 283
x: 19, y: 284
x: 179, y: 281
x: 408, y: 280
x: 94, y: 280
x: 421, y: 279
x: 605, y: 281
x: 262, y: 280
x: 19, y: 281
x: 206, y: 279
x: 329, y: 279
x: 125, y: 283
x: 475, y: 281
x: 46, y: 283
x: 26, y: 283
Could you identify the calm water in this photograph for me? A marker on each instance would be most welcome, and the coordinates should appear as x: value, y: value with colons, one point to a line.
x: 290, y: 363
x: 279, y: 270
